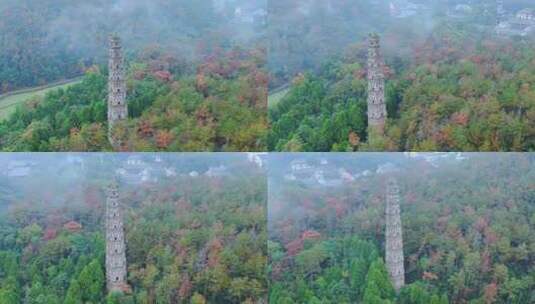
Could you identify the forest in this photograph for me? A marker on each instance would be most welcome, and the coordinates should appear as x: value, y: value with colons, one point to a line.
x: 221, y: 107
x: 43, y: 41
x: 195, y: 73
x: 195, y: 229
x: 467, y: 226
x: 452, y: 84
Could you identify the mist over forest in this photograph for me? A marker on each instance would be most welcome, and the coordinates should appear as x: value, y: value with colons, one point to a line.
x: 304, y: 35
x: 457, y: 75
x: 188, y: 218
x: 25, y: 176
x: 200, y: 62
x: 43, y: 41
x: 466, y: 219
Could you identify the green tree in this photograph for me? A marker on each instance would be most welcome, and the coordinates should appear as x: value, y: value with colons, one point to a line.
x: 379, y: 288
x: 74, y: 293
x: 198, y: 299
x: 31, y: 233
x: 92, y: 279
x: 10, y: 291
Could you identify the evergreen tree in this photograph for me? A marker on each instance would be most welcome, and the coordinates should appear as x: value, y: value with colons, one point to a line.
x: 74, y: 293
x: 113, y: 298
x: 379, y: 289
x: 198, y: 299
x: 9, y: 291
x: 92, y: 279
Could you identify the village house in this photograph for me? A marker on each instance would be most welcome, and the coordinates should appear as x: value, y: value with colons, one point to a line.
x: 73, y: 226
x: 521, y: 24
x: 18, y: 168
x: 526, y: 15
x: 217, y: 171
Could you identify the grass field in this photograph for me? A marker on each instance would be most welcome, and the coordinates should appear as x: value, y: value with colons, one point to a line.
x: 9, y: 103
x: 274, y: 98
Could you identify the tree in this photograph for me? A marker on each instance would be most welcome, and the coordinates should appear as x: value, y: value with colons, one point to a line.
x: 9, y: 296
x: 417, y: 293
x: 92, y: 279
x: 9, y: 292
x: 198, y: 299
x: 31, y: 233
x: 35, y: 293
x: 120, y: 298
x: 74, y: 293
x: 379, y: 289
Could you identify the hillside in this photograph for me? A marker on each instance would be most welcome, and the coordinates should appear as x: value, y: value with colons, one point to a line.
x: 463, y: 95
x: 466, y: 226
x: 221, y: 107
x: 189, y: 239
x: 46, y: 41
x: 458, y: 75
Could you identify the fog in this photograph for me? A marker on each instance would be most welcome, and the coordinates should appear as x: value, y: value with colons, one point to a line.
x: 305, y: 34
x: 80, y: 29
x: 77, y: 180
x: 183, y: 26
x: 305, y: 189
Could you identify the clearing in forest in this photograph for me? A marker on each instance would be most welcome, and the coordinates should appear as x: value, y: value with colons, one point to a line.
x: 9, y: 102
x: 276, y: 97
